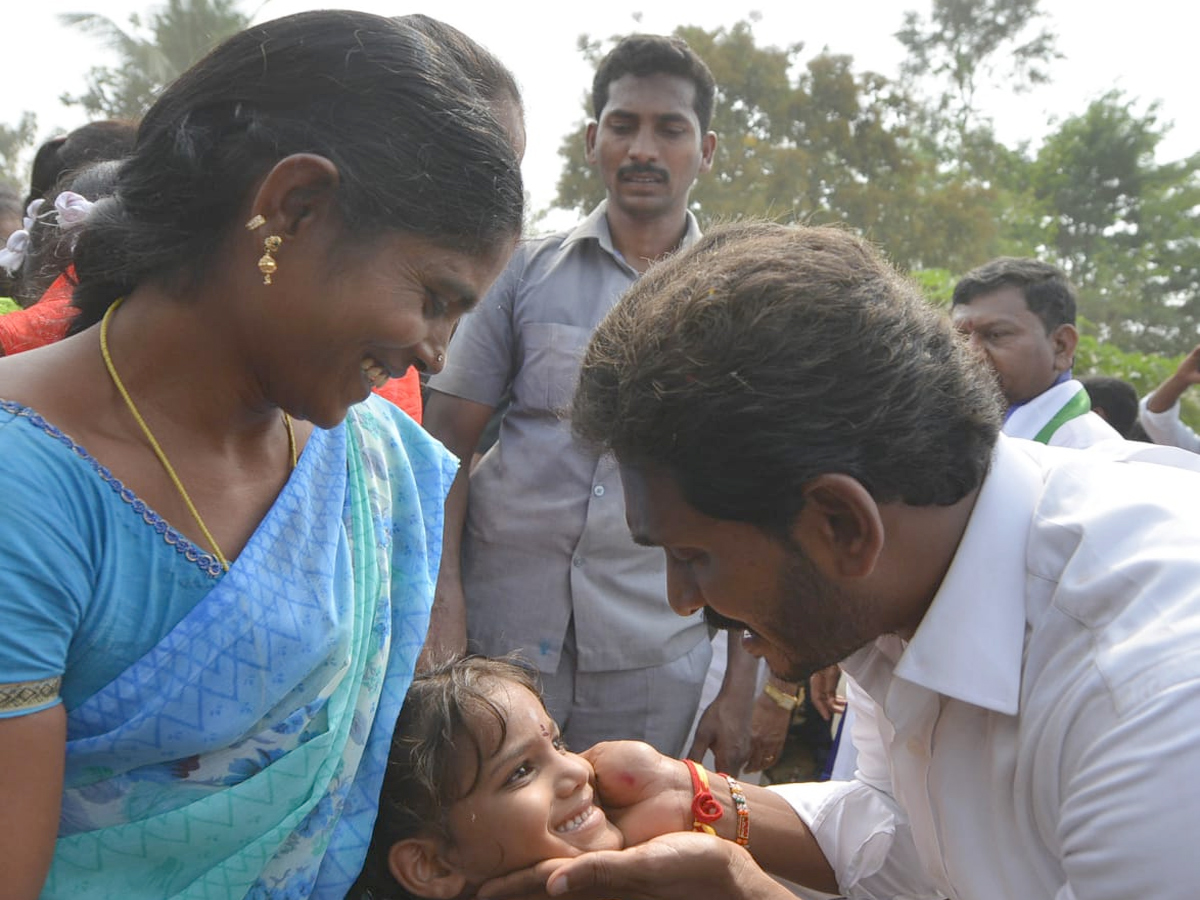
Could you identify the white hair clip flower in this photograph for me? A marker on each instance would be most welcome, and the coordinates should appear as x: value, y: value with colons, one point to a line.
x: 12, y: 255
x: 72, y: 208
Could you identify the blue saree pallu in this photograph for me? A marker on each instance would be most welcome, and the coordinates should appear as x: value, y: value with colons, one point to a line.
x: 242, y: 756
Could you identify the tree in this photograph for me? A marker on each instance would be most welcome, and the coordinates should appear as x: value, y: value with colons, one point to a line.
x: 817, y: 142
x: 14, y: 140
x: 963, y: 43
x: 151, y: 56
x: 1125, y: 227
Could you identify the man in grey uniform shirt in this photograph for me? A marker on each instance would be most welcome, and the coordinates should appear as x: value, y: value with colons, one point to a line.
x: 538, y: 557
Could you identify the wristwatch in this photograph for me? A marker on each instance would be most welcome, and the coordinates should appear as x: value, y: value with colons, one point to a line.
x: 783, y: 699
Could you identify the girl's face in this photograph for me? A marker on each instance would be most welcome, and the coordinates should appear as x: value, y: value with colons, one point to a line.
x: 533, y: 800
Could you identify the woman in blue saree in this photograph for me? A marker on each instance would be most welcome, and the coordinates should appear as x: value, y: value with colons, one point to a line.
x: 218, y: 550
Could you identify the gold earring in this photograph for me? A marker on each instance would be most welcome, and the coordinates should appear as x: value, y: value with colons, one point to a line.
x: 257, y: 222
x: 267, y: 264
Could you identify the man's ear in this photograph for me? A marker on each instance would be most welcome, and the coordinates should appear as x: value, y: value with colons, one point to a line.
x: 1063, y: 339
x: 589, y: 142
x: 422, y: 870
x: 299, y: 190
x: 839, y: 527
x: 708, y: 147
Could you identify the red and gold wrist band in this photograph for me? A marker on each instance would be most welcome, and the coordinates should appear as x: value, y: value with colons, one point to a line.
x: 742, y: 808
x: 705, y: 808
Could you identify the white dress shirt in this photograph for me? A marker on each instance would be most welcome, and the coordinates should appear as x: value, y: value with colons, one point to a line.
x: 1167, y: 428
x: 1039, y: 737
x: 1028, y: 419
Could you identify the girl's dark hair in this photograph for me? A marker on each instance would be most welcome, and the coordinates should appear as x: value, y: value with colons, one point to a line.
x: 446, y: 709
x: 50, y: 244
x: 59, y: 158
x: 416, y: 146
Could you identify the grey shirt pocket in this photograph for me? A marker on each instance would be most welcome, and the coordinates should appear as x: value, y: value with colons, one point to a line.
x: 550, y: 366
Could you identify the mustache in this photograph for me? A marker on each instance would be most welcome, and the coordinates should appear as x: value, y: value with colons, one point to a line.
x: 722, y: 623
x: 643, y: 169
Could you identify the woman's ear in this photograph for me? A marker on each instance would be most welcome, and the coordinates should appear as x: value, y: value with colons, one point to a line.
x: 839, y: 527
x: 298, y: 190
x: 422, y: 870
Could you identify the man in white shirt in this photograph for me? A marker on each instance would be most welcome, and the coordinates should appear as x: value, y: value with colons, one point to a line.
x: 1020, y: 315
x: 1160, y: 409
x: 819, y: 457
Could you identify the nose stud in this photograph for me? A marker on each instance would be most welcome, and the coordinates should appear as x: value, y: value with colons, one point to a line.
x: 441, y: 358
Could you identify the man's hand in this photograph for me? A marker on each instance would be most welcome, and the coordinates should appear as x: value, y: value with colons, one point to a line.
x: 644, y: 793
x: 724, y: 728
x: 822, y: 691
x: 1168, y: 393
x: 768, y: 732
x: 682, y: 866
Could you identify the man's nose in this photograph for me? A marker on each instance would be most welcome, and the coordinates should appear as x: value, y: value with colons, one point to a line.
x: 643, y: 147
x: 682, y: 591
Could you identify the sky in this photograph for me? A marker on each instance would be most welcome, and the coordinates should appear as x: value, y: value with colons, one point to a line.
x: 1145, y: 49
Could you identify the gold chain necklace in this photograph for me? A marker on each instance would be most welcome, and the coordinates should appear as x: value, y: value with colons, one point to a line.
x: 158, y: 450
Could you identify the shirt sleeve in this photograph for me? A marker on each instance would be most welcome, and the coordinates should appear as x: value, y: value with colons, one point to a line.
x: 1167, y: 428
x: 480, y: 359
x: 43, y: 586
x: 1130, y: 808
x: 857, y: 824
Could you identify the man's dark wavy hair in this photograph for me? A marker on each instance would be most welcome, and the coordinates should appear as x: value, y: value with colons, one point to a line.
x: 767, y: 355
x: 655, y: 54
x: 1047, y: 292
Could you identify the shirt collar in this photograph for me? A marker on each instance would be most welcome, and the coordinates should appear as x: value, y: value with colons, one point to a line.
x: 971, y: 640
x: 595, y: 227
x: 1061, y: 378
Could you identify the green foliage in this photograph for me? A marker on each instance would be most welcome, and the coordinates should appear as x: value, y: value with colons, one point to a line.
x: 1144, y: 371
x: 936, y: 284
x: 963, y: 42
x: 152, y: 55
x: 819, y: 143
x: 1126, y: 228
x: 14, y: 140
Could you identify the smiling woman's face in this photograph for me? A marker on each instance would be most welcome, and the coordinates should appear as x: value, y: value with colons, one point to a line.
x: 532, y: 800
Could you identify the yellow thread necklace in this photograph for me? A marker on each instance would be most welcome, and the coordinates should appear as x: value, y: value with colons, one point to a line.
x: 158, y: 451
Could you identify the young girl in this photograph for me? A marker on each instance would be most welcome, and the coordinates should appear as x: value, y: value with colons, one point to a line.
x: 479, y: 784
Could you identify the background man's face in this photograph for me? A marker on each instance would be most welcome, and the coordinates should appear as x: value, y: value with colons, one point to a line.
x: 648, y: 145
x: 1014, y: 341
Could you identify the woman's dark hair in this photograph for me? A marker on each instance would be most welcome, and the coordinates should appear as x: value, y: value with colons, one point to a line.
x: 416, y: 146
x: 491, y: 77
x: 447, y: 709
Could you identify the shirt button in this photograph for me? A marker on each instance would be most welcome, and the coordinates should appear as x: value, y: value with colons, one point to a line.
x: 577, y: 561
x: 598, y: 490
